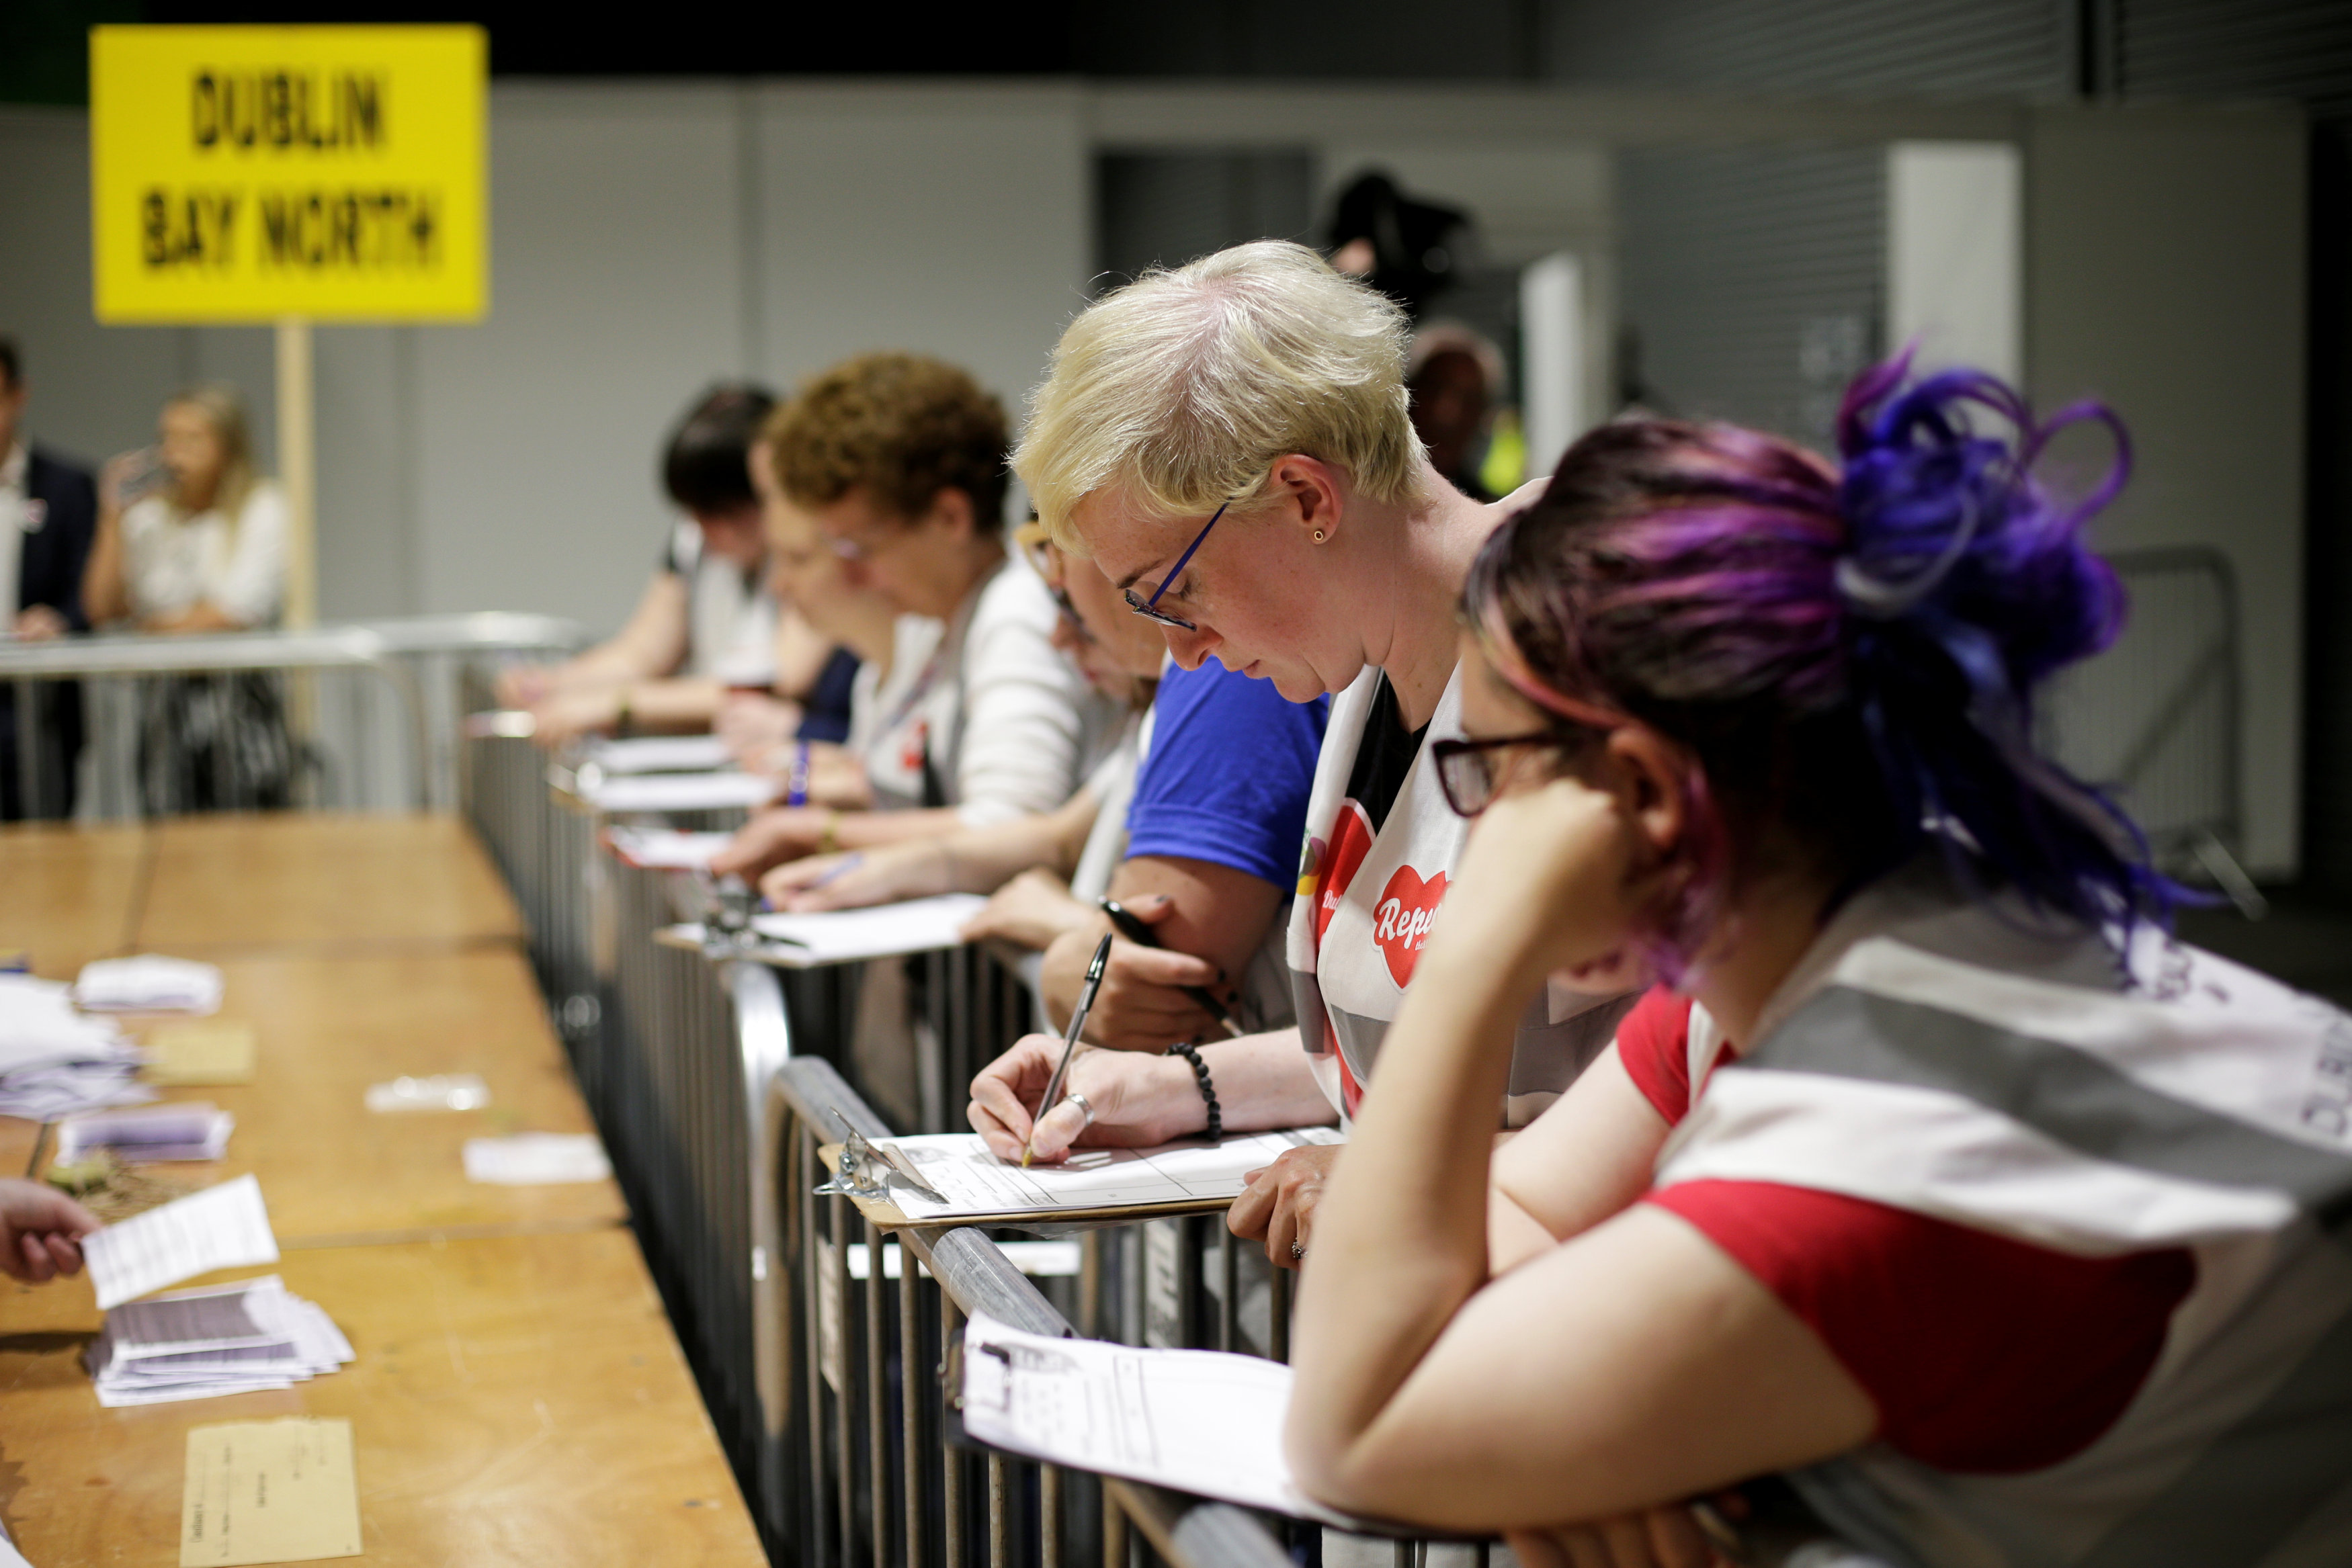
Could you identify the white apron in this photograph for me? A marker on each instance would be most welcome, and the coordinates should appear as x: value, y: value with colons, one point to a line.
x: 1931, y: 1057
x: 1363, y: 910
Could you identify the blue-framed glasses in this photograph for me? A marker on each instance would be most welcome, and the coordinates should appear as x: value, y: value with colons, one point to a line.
x: 1145, y: 607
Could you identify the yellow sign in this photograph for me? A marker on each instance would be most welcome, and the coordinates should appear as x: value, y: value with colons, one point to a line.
x: 250, y: 173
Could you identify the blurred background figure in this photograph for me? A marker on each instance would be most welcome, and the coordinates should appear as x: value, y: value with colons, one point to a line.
x: 1455, y: 377
x: 705, y: 622
x: 191, y: 538
x: 48, y: 510
x: 899, y: 460
x: 1407, y: 249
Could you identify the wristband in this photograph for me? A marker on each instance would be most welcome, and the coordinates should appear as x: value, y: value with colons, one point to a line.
x: 621, y: 714
x: 1192, y: 1053
x: 829, y: 841
x: 796, y: 790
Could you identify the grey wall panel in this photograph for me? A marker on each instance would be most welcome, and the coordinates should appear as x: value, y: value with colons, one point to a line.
x: 952, y: 222
x: 1751, y: 280
x: 95, y: 389
x: 1167, y: 208
x: 365, y: 383
x: 2165, y: 275
x: 614, y: 300
x: 2237, y: 49
x: 1845, y: 47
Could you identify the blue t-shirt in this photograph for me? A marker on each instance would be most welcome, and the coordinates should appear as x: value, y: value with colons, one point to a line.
x: 1226, y: 779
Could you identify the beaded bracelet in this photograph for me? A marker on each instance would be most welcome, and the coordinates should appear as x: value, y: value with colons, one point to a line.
x: 1192, y: 1053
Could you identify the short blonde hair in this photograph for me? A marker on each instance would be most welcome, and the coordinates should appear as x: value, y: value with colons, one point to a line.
x: 1182, y: 390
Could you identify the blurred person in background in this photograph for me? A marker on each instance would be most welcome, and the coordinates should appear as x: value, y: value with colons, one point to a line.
x: 48, y: 512
x: 191, y: 538
x: 900, y: 461
x: 807, y: 745
x: 705, y: 622
x: 1455, y: 376
x: 1044, y: 870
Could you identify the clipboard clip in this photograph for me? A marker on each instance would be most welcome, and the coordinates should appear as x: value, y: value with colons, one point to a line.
x: 867, y: 1170
x: 728, y: 905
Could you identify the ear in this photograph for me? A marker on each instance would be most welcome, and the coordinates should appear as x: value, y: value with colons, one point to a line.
x: 1646, y: 772
x: 1316, y: 489
x: 951, y: 508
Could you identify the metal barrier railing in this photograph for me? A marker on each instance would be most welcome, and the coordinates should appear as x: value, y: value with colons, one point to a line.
x: 348, y: 747
x: 714, y: 1077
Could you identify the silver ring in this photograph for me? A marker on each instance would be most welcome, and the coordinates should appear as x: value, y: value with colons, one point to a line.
x: 1080, y: 1101
x: 1298, y: 1251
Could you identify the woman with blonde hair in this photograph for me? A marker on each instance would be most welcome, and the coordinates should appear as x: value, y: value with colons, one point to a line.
x: 189, y: 537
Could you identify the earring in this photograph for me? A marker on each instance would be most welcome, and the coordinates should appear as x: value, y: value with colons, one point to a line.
x: 1318, y: 536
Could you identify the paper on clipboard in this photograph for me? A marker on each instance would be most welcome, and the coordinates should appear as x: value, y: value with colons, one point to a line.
x: 884, y: 931
x: 975, y: 1183
x: 1200, y: 1421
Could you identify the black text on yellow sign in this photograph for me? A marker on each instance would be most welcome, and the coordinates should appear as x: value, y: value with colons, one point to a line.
x: 252, y: 173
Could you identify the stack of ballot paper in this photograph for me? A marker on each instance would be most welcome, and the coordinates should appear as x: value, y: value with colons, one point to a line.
x: 222, y: 1339
x: 53, y: 1060
x: 149, y: 983
x: 191, y: 1130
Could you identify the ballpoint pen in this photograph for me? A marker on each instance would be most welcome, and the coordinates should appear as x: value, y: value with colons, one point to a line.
x: 1143, y: 935
x: 1069, y: 1044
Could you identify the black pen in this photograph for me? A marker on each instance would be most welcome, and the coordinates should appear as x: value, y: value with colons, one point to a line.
x: 1069, y: 1044
x: 1142, y: 936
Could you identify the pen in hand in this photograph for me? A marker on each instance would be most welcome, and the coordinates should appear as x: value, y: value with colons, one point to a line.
x: 1069, y: 1045
x: 1143, y: 935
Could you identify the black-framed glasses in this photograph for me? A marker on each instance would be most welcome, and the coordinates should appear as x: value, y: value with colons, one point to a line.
x: 1145, y: 607
x: 1466, y: 769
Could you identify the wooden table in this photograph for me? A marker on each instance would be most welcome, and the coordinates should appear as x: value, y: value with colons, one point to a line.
x: 326, y: 1028
x: 518, y: 1396
x: 517, y: 1400
x: 320, y: 882
x: 69, y: 896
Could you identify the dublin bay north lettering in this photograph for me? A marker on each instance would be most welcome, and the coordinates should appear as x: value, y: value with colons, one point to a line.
x: 286, y: 109
x: 353, y: 230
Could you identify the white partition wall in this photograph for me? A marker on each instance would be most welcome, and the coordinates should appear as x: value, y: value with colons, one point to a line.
x: 1956, y: 253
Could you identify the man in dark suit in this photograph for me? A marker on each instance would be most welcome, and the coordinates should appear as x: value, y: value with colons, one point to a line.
x: 48, y: 512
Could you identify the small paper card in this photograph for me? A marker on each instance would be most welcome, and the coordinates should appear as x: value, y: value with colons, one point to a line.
x: 536, y: 1159
x: 269, y: 1491
x: 216, y: 1051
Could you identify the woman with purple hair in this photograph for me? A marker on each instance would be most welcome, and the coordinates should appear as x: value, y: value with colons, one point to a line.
x: 1942, y: 1181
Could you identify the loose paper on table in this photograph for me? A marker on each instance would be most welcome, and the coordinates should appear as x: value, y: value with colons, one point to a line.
x: 269, y: 1491
x: 223, y: 1227
x: 975, y: 1182
x: 1198, y: 1420
x: 212, y: 1051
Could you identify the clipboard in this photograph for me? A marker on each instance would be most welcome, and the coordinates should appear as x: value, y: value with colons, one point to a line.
x: 886, y: 1215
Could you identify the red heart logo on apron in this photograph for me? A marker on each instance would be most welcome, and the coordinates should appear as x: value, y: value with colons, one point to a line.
x: 1401, y: 919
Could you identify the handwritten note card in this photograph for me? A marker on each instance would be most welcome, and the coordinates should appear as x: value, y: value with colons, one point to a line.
x: 269, y: 1491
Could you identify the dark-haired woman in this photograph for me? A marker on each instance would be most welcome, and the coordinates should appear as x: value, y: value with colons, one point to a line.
x: 1948, y: 1184
x: 705, y: 622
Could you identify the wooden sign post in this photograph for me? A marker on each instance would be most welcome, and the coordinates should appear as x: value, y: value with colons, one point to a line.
x: 290, y: 175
